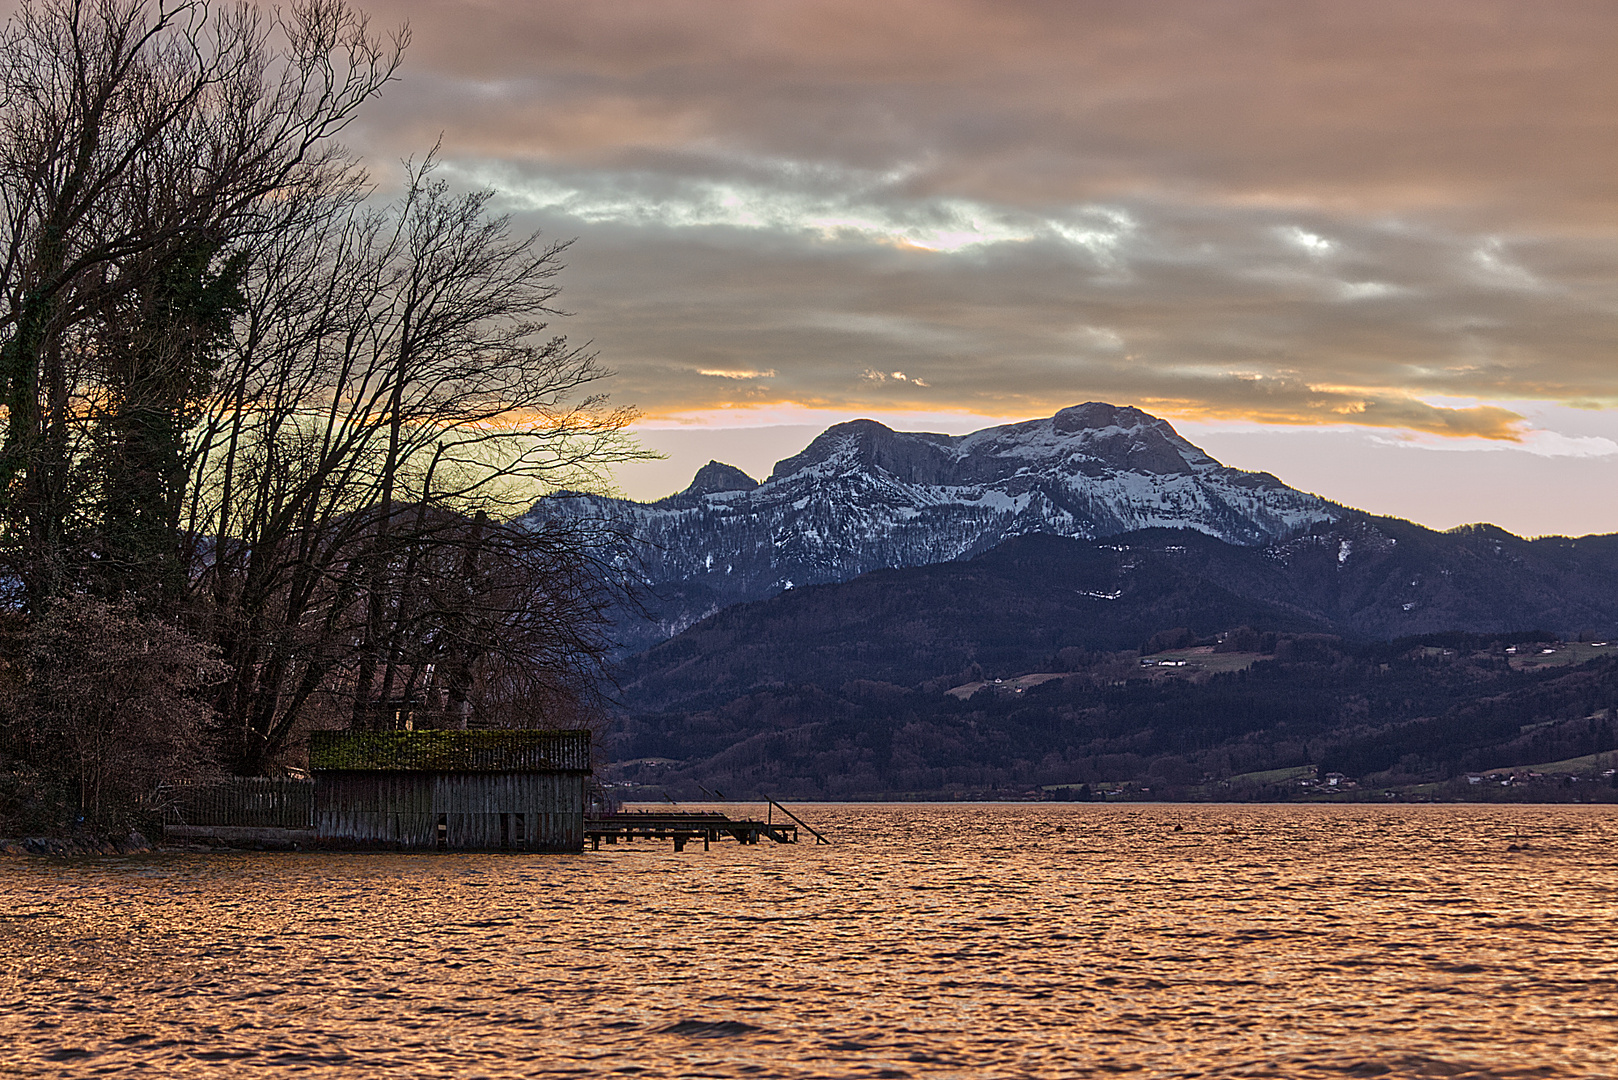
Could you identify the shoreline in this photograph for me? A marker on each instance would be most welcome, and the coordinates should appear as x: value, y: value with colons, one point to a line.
x: 133, y: 842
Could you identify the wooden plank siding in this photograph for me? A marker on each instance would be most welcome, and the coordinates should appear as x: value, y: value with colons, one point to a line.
x: 374, y: 809
x: 542, y: 811
x: 478, y: 811
x: 519, y: 789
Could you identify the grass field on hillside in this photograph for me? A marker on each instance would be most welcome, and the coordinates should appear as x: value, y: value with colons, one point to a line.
x: 1557, y: 653
x: 1201, y: 658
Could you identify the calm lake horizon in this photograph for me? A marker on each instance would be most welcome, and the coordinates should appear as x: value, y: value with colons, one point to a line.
x: 930, y: 940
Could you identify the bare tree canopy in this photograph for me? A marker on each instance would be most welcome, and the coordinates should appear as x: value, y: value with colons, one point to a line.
x: 239, y: 397
x: 139, y: 143
x: 391, y: 399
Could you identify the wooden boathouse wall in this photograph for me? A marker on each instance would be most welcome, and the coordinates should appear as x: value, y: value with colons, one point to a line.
x: 515, y: 789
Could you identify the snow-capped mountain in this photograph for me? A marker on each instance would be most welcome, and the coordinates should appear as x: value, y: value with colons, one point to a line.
x: 863, y: 497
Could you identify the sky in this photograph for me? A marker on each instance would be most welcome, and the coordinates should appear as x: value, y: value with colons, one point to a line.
x: 1371, y: 248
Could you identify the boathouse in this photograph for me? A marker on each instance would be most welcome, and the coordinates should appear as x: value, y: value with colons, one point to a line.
x: 513, y: 789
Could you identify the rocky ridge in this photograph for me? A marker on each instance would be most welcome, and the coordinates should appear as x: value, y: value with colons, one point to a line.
x: 863, y: 497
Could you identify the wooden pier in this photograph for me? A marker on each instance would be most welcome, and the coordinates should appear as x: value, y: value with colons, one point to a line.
x: 683, y: 826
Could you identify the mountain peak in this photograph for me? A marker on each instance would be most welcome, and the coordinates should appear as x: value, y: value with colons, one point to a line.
x: 716, y: 477
x: 913, y: 457
x: 1096, y: 415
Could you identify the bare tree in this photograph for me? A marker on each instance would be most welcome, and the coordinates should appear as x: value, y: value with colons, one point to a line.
x: 141, y: 142
x: 240, y: 397
x: 392, y: 401
x: 109, y: 700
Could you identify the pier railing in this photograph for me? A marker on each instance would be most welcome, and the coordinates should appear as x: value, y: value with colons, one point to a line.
x: 815, y: 832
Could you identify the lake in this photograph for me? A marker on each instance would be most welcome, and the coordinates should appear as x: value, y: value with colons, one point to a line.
x: 929, y: 941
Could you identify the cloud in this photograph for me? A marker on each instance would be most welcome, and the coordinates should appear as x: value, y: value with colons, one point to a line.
x: 853, y: 207
x: 1317, y: 246
x: 731, y: 373
x: 1495, y: 268
x: 1200, y: 310
x: 1379, y: 106
x: 890, y: 376
x: 1279, y: 402
x: 1289, y: 211
x: 1538, y: 442
x: 1553, y: 444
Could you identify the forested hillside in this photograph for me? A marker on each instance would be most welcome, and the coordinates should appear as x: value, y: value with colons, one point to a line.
x: 1382, y: 714
x: 1013, y: 609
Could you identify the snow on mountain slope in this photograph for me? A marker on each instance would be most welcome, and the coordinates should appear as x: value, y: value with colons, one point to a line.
x: 863, y: 497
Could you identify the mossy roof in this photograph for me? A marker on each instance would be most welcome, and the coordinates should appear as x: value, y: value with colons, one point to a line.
x: 518, y: 750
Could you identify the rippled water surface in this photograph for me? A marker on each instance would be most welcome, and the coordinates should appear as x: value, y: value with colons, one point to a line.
x: 931, y: 941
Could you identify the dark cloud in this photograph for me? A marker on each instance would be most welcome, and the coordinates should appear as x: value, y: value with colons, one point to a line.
x: 1388, y: 214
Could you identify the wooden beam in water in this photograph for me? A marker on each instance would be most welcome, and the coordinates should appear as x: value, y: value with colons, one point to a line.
x: 818, y: 838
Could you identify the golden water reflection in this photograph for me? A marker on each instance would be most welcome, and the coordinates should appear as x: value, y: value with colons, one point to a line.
x: 930, y: 941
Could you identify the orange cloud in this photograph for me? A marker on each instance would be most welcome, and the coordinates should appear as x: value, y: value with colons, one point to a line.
x: 1386, y: 411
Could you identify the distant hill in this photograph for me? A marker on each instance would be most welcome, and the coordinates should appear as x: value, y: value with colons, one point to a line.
x: 841, y: 691
x: 1378, y: 714
x: 1012, y: 609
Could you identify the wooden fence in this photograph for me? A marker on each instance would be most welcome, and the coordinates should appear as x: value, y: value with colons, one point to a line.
x: 245, y: 802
